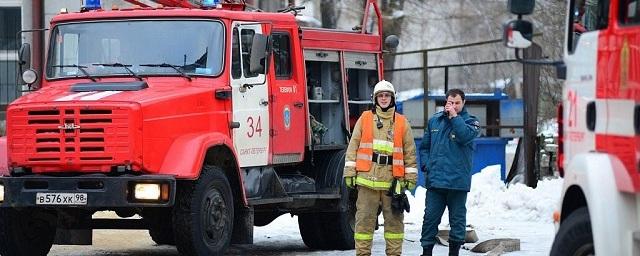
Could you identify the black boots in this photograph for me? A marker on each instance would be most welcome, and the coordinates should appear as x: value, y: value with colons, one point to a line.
x: 427, y: 251
x: 454, y: 249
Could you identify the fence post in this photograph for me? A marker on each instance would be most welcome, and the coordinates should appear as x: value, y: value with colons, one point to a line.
x: 425, y: 84
x: 531, y: 84
x: 446, y: 79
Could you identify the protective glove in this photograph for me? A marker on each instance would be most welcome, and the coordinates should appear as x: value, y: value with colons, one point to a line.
x: 350, y: 182
x: 400, y: 203
x: 410, y: 184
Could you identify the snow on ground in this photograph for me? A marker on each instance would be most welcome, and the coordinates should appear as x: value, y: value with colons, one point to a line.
x: 493, y: 209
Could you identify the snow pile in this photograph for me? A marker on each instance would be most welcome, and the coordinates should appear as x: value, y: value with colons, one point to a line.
x: 490, y: 197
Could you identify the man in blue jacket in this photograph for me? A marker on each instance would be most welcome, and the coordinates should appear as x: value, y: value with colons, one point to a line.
x: 445, y: 155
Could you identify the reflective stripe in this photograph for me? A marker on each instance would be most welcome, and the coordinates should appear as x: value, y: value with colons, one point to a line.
x: 397, y: 150
x: 363, y: 236
x: 363, y: 157
x: 350, y: 164
x: 398, y: 162
x: 372, y: 184
x: 366, y: 145
x: 383, y: 146
x: 410, y: 170
x: 398, y: 189
x: 393, y: 235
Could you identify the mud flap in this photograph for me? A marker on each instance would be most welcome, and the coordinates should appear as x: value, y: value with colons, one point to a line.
x: 73, y: 236
x: 243, y: 226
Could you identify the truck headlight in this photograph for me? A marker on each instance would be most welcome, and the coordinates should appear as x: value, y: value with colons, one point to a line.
x: 1, y: 193
x: 147, y: 192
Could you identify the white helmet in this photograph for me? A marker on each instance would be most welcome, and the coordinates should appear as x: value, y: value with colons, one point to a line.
x: 384, y: 86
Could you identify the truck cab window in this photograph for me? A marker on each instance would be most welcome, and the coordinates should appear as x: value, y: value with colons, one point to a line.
x: 282, y: 55
x: 629, y: 12
x: 246, y: 40
x: 588, y: 15
x: 236, y: 71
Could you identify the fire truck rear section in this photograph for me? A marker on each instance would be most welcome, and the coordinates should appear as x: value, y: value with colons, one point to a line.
x: 598, y: 125
x: 226, y: 121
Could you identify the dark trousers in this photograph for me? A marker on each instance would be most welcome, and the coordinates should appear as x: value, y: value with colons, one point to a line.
x: 435, y: 202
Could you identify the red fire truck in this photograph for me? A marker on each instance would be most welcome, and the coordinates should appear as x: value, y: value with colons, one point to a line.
x: 206, y: 119
x: 598, y: 125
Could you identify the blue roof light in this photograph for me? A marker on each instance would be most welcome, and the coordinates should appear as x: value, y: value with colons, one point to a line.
x: 92, y: 4
x: 210, y: 3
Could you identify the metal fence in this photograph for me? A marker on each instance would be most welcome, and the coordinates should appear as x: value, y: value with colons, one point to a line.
x: 489, y: 63
x: 476, y: 68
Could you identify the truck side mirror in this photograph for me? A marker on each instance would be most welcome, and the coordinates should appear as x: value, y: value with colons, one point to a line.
x: 521, y: 7
x: 391, y: 42
x: 258, y: 60
x: 24, y: 56
x: 518, y: 34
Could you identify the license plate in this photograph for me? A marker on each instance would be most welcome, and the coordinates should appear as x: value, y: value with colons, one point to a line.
x: 61, y: 198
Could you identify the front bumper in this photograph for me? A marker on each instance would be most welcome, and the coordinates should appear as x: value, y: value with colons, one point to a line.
x: 101, y: 190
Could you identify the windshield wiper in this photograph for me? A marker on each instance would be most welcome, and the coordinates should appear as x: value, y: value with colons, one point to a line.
x: 81, y: 68
x: 167, y: 65
x: 117, y: 64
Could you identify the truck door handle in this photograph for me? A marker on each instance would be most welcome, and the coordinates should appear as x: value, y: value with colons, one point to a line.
x: 264, y: 102
x: 298, y: 104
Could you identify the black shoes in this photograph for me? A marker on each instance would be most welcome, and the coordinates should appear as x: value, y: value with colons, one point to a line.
x: 454, y: 249
x: 427, y: 251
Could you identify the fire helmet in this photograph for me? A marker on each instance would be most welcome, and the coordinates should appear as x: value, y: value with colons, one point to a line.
x: 384, y: 86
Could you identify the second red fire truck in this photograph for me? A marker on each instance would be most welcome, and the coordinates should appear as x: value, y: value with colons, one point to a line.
x: 598, y: 125
x: 205, y: 119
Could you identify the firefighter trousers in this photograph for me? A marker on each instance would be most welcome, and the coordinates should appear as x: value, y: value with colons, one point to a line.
x: 366, y: 214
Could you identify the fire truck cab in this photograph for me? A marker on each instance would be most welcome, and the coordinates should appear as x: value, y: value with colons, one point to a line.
x: 205, y: 119
x: 598, y: 124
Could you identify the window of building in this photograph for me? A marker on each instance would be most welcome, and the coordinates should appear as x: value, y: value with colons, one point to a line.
x: 9, y: 27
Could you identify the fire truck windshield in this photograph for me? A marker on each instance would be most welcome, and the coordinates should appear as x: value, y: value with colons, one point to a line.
x: 194, y: 47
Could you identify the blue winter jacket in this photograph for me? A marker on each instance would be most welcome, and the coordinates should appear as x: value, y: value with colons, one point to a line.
x: 446, y: 150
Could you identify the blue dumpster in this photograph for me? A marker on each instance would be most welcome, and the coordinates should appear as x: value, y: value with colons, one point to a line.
x: 487, y: 151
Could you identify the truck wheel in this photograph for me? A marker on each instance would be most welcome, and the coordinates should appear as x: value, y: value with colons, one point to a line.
x: 341, y: 225
x: 160, y: 223
x: 312, y: 230
x: 574, y: 237
x: 203, y: 214
x: 332, y: 230
x: 28, y: 232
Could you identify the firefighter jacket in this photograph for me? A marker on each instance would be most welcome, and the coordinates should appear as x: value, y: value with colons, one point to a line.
x: 372, y: 162
x: 446, y: 150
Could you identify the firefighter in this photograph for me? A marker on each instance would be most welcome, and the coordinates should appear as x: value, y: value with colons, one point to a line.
x: 381, y: 150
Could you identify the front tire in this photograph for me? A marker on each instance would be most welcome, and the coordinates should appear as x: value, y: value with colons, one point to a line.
x: 203, y: 214
x: 28, y: 232
x: 160, y: 223
x: 574, y: 237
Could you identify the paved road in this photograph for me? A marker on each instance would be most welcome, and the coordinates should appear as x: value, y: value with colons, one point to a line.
x: 138, y: 243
